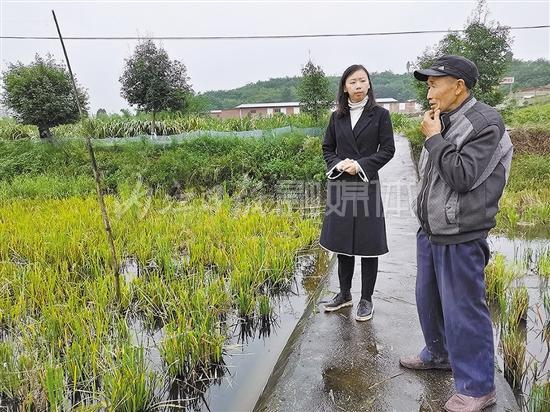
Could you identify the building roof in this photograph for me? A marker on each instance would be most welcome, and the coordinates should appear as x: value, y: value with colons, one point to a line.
x: 258, y: 105
x: 386, y: 100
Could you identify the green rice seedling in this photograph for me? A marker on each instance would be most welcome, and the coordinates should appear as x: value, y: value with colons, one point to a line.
x: 54, y: 385
x: 245, y: 302
x: 264, y: 306
x: 513, y: 353
x: 539, y: 398
x: 498, y: 277
x: 543, y: 266
x: 185, y: 350
x: 546, y: 306
x: 519, y: 304
x: 56, y: 291
x: 502, y: 305
x: 128, y: 386
x: 176, y: 349
x: 10, y: 379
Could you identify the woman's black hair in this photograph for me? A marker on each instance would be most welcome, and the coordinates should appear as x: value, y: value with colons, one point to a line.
x: 342, y: 98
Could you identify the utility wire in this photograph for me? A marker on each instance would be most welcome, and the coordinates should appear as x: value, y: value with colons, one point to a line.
x: 279, y: 36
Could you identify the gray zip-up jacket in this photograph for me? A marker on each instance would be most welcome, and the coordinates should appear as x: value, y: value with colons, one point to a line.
x: 463, y: 171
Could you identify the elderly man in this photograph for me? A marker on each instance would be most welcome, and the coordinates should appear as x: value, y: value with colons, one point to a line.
x: 463, y: 168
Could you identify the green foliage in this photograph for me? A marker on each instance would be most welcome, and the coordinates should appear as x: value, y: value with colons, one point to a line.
x: 314, y: 92
x: 41, y: 94
x: 153, y: 82
x: 167, y: 123
x: 487, y: 44
x: 529, y: 172
x: 9, y: 376
x: 53, y: 382
x: 10, y: 130
x: 526, y: 74
x: 498, y: 277
x: 128, y: 385
x: 534, y: 115
x: 410, y: 128
x: 398, y: 86
x: 539, y: 398
x: 31, y: 169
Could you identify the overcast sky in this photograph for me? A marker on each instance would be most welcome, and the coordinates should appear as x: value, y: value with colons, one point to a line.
x: 226, y: 64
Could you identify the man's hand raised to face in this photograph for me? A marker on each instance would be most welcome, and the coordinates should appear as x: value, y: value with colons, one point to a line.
x: 431, y: 124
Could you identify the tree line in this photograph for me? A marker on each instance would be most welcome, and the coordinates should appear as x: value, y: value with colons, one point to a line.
x: 40, y: 93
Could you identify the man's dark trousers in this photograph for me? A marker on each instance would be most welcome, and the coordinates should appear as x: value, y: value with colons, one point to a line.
x: 453, y: 312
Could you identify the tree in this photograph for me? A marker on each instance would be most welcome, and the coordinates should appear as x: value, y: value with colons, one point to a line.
x: 314, y: 91
x: 487, y: 44
x: 534, y: 73
x: 101, y: 112
x: 153, y: 82
x: 41, y: 94
x: 286, y: 95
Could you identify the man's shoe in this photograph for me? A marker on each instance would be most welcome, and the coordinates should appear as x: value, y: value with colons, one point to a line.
x: 365, y: 309
x: 414, y: 362
x: 463, y: 403
x: 338, y: 302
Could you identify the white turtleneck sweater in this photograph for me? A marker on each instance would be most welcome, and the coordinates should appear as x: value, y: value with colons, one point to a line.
x: 355, y: 110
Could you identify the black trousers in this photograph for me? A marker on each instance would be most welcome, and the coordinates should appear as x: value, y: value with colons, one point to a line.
x: 369, y: 271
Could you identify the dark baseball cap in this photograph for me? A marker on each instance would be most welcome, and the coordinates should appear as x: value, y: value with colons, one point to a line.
x: 450, y: 65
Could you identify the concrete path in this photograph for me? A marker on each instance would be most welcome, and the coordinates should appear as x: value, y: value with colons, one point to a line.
x: 334, y: 363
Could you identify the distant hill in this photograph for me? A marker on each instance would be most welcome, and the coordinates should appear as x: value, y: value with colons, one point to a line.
x: 386, y: 84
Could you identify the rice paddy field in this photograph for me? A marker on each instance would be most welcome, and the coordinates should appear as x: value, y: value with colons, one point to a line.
x: 517, y: 281
x: 67, y: 342
x: 201, y: 270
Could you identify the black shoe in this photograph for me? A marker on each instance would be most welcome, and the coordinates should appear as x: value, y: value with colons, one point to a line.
x: 365, y: 309
x: 339, y: 301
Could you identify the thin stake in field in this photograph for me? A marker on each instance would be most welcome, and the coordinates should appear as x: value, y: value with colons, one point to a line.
x: 97, y: 175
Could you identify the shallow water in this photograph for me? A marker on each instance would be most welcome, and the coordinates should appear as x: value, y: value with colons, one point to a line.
x: 524, y: 254
x: 251, y: 351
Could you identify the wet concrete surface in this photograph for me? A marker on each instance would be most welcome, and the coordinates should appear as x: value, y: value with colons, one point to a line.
x: 334, y: 363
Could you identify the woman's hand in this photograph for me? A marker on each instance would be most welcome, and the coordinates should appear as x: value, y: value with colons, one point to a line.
x: 349, y: 166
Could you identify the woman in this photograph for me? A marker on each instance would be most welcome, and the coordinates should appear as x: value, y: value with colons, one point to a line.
x: 358, y: 142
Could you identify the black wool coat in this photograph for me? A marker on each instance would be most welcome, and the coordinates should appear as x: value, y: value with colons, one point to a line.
x: 354, y: 221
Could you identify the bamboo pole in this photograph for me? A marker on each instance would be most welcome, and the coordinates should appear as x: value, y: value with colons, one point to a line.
x: 97, y: 174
